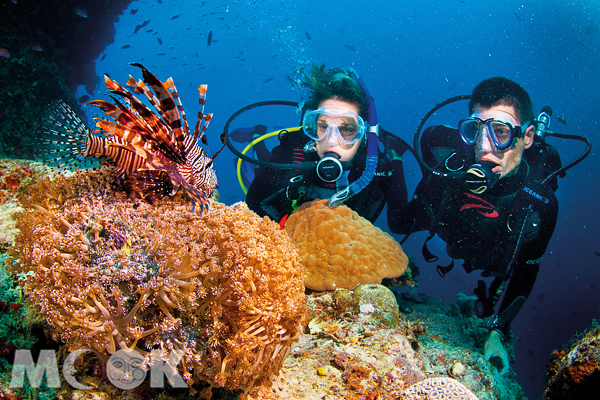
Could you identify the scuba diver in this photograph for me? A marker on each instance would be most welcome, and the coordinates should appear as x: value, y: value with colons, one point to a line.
x: 339, y: 153
x: 488, y: 192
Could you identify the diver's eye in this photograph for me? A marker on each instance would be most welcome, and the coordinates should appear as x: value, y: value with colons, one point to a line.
x: 502, y: 131
x: 348, y: 131
x: 322, y: 127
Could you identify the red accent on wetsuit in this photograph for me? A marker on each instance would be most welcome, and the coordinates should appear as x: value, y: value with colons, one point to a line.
x: 485, y: 206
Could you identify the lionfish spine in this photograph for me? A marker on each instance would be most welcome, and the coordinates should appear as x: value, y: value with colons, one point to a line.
x: 147, y: 132
x: 170, y: 85
x: 168, y: 108
x: 201, y: 117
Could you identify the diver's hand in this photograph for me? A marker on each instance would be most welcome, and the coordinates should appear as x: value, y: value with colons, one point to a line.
x: 494, y: 352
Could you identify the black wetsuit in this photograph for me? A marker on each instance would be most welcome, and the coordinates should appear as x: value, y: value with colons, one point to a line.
x: 272, y: 192
x: 482, y: 229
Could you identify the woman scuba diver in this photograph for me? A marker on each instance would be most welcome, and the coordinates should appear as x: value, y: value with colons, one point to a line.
x: 339, y: 153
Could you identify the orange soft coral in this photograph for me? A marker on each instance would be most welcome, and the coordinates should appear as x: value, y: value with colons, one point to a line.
x: 340, y: 249
x: 109, y: 274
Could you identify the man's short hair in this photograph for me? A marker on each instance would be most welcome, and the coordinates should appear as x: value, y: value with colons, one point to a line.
x: 499, y: 91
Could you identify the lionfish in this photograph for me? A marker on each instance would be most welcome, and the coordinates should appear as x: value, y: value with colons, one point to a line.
x: 155, y: 150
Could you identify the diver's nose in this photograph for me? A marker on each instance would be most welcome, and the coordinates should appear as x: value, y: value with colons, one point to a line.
x: 485, y: 142
x: 332, y: 135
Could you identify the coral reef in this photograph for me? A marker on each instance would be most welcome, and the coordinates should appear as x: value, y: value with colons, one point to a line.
x: 15, y: 177
x: 340, y: 249
x: 108, y: 273
x: 346, y: 354
x: 574, y: 372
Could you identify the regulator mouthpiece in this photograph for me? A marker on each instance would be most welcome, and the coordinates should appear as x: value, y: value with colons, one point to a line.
x: 479, y: 177
x: 330, y: 168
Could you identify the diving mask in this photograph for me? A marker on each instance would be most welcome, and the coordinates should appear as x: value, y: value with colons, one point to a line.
x: 501, y: 133
x: 325, y: 123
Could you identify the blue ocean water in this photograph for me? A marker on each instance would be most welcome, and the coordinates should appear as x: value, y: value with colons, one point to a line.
x: 411, y: 55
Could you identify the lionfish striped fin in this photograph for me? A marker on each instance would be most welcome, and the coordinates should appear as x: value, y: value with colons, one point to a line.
x: 159, y: 132
x: 170, y: 85
x: 127, y: 126
x: 136, y: 130
x: 140, y: 87
x: 168, y: 108
x: 202, y: 100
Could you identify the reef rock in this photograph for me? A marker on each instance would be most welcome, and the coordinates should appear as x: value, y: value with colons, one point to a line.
x: 574, y: 372
x: 347, y: 354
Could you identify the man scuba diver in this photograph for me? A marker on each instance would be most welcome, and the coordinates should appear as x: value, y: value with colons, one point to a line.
x: 488, y: 192
x: 345, y: 150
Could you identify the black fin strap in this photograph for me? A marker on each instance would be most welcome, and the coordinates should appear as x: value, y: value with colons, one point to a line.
x: 427, y: 255
x: 442, y: 271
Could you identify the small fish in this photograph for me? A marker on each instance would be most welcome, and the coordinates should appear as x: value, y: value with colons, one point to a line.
x: 133, y: 11
x: 103, y: 57
x: 140, y: 26
x: 176, y: 16
x: 562, y: 120
x: 159, y: 40
x: 84, y: 98
x: 597, y: 253
x: 267, y: 80
x: 517, y: 15
x: 81, y: 12
x: 351, y: 48
x: 36, y: 47
x: 307, y: 35
x: 159, y: 1
x: 125, y: 46
x: 14, y: 1
x: 209, y: 39
x: 4, y: 53
x: 160, y: 54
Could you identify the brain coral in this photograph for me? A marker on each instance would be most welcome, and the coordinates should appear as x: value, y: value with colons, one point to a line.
x: 108, y: 273
x: 438, y: 388
x: 340, y: 249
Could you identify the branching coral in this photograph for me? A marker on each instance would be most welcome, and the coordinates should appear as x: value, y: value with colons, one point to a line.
x: 110, y: 274
x: 340, y: 249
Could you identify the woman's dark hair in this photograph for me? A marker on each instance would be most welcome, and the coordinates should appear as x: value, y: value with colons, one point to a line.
x: 499, y: 91
x: 334, y: 83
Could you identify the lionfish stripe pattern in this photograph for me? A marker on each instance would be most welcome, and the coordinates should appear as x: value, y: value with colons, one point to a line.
x: 155, y: 149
